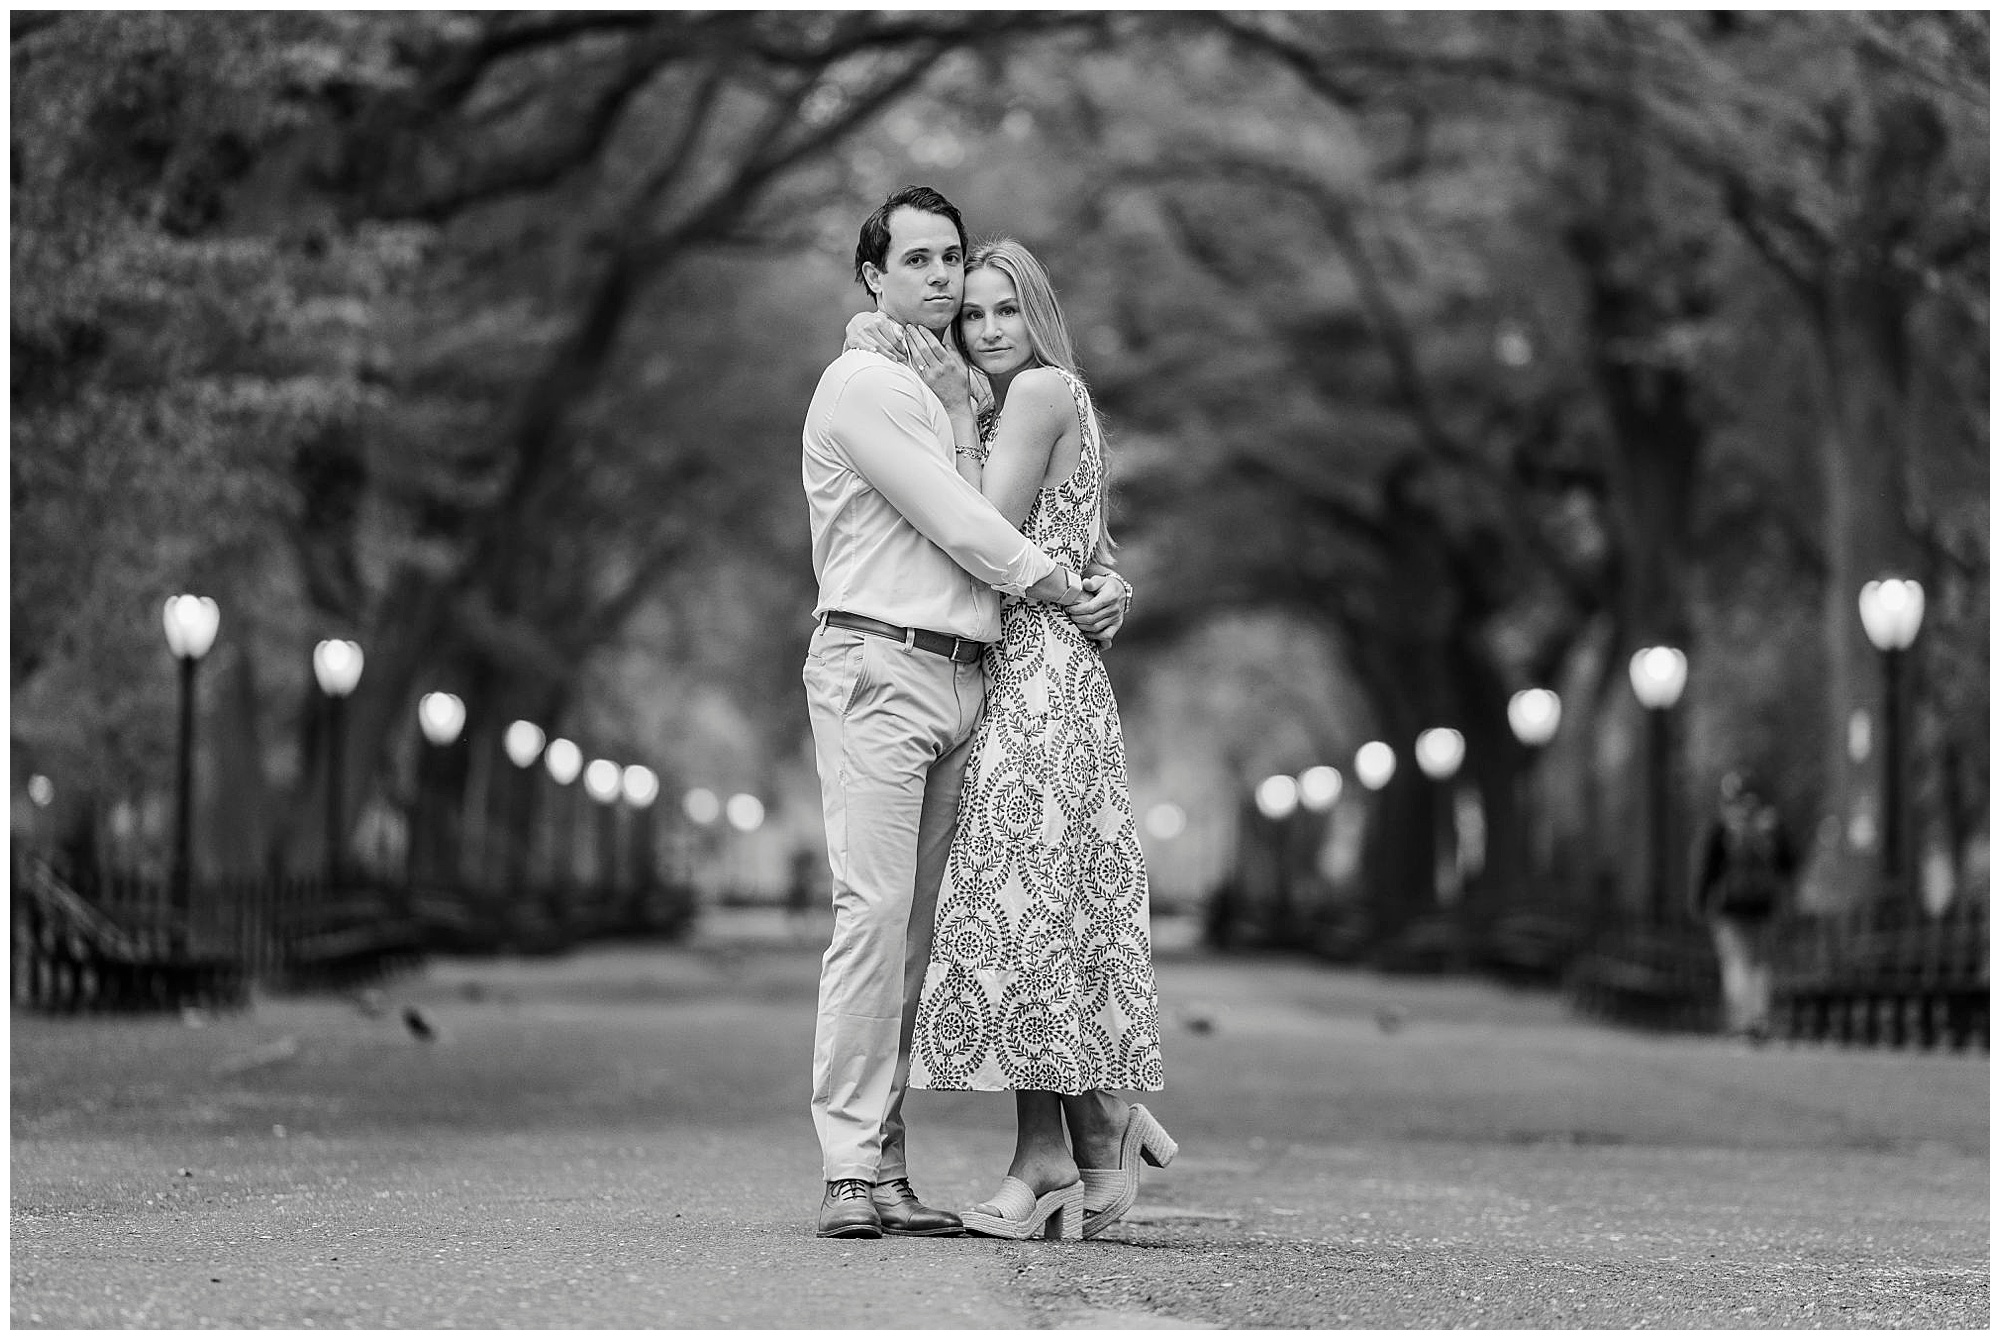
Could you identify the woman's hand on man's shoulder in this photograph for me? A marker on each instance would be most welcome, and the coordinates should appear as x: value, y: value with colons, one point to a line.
x: 876, y: 333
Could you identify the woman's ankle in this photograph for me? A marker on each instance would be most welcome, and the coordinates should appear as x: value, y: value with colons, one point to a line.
x: 1096, y: 1123
x: 1044, y: 1168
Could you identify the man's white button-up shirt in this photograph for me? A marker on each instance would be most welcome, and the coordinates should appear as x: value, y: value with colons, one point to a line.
x: 897, y: 534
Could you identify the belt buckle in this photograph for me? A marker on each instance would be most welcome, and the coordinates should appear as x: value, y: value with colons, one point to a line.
x: 959, y: 642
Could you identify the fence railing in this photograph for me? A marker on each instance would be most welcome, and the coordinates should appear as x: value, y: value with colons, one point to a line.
x: 121, y: 948
x: 1893, y: 978
x: 1881, y: 975
x: 108, y: 940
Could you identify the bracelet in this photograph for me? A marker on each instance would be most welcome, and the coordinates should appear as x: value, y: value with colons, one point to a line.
x: 1126, y: 611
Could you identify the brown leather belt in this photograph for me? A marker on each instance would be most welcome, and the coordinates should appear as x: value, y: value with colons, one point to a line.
x: 962, y: 650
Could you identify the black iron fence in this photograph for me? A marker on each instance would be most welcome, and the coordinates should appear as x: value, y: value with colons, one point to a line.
x: 108, y: 941
x: 1881, y: 975
x: 1895, y: 980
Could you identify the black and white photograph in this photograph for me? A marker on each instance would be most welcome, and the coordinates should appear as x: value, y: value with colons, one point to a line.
x: 1051, y: 669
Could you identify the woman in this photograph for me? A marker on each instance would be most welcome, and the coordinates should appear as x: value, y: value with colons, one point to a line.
x: 1041, y: 977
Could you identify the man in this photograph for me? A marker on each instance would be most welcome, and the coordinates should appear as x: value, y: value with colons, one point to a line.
x: 909, y: 557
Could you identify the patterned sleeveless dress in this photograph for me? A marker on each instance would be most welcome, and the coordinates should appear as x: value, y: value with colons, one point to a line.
x: 1041, y: 972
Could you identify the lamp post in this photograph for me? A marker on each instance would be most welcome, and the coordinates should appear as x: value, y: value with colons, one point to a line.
x: 191, y: 623
x: 441, y: 716
x: 703, y: 809
x: 1319, y: 790
x: 1439, y: 752
x: 564, y: 761
x: 640, y: 786
x: 1658, y: 676
x: 603, y: 780
x: 523, y: 742
x: 1533, y: 715
x: 337, y: 667
x: 1892, y: 610
x: 745, y: 814
x: 1277, y: 799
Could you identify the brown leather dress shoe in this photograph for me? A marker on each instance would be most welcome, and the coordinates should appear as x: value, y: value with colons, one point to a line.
x: 848, y: 1210
x: 904, y: 1216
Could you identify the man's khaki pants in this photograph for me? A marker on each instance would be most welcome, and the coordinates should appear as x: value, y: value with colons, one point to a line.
x: 892, y: 730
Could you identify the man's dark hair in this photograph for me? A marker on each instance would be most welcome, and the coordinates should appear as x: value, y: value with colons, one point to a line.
x: 873, y: 248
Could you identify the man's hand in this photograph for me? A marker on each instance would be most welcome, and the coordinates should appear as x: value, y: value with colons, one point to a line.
x: 876, y: 333
x: 1101, y: 612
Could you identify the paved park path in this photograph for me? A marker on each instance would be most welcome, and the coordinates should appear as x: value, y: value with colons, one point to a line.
x: 619, y: 1139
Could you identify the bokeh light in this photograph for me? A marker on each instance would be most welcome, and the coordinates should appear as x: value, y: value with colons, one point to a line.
x: 745, y: 811
x: 1277, y: 796
x: 702, y: 805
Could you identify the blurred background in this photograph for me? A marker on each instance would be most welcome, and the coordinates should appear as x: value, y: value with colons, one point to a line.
x: 1518, y: 422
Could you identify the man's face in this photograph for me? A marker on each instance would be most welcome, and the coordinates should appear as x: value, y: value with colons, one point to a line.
x: 923, y: 275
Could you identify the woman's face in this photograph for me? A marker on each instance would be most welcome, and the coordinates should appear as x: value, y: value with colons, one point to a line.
x: 990, y: 322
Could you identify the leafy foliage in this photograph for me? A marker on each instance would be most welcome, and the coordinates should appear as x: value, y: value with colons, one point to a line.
x: 1454, y: 352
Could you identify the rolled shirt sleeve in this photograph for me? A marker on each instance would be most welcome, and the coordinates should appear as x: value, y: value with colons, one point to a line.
x: 883, y: 425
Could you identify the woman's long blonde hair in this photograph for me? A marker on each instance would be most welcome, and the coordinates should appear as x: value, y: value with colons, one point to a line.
x: 1049, y: 343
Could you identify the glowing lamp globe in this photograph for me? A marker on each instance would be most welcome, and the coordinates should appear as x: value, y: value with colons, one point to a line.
x: 1277, y: 797
x: 1374, y: 764
x: 745, y: 811
x: 1439, y: 752
x: 1658, y: 676
x: 1891, y: 612
x: 442, y: 715
x: 563, y: 760
x: 1319, y: 788
x: 702, y: 805
x: 1534, y: 714
x: 337, y: 666
x: 191, y: 623
x: 523, y: 742
x: 641, y: 786
x: 603, y: 779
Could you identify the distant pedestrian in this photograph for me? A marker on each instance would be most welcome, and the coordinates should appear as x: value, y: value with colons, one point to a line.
x: 1747, y: 867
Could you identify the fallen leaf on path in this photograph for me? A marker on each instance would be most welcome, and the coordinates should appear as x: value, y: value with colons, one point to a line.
x: 271, y: 1053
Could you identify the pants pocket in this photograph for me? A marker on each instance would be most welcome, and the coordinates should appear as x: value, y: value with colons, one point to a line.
x: 836, y: 668
x: 858, y: 672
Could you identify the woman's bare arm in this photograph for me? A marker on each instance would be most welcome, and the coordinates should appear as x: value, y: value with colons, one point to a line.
x: 1039, y: 411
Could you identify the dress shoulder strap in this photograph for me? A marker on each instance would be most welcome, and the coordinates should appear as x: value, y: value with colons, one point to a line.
x: 1086, y: 414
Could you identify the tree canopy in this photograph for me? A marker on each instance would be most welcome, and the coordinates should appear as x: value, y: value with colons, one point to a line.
x: 1481, y: 348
